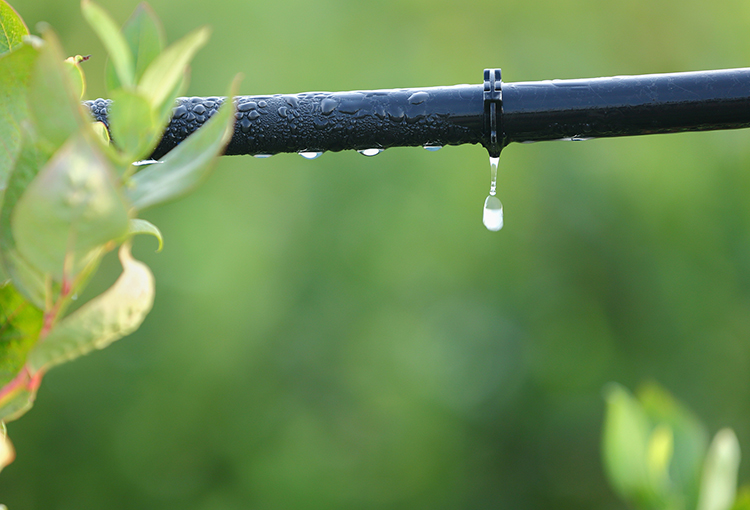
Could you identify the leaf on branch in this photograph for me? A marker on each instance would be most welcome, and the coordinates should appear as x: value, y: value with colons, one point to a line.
x: 164, y: 74
x: 113, y: 41
x: 133, y: 124
x: 27, y: 280
x: 138, y: 226
x: 76, y: 76
x: 624, y: 445
x: 54, y: 103
x: 690, y: 440
x: 20, y: 323
x: 69, y: 211
x: 144, y: 35
x: 188, y: 164
x: 718, y: 487
x: 15, y: 70
x: 18, y: 396
x: 113, y: 314
x: 12, y: 27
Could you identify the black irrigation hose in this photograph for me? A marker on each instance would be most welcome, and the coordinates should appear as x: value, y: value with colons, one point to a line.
x: 493, y: 114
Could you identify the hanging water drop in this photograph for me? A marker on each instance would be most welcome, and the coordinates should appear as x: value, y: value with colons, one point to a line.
x: 370, y: 152
x: 492, y: 216
x: 310, y: 154
x: 262, y: 156
x: 432, y: 148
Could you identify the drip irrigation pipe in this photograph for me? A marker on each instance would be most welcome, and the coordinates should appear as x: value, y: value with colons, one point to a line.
x: 493, y: 114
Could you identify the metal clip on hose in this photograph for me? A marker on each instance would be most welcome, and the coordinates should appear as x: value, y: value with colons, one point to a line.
x: 493, y: 111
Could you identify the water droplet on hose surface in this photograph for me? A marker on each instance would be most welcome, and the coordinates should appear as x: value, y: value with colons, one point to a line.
x: 262, y: 156
x: 146, y: 162
x: 370, y: 152
x: 327, y: 105
x: 432, y: 148
x: 310, y: 154
x: 419, y: 97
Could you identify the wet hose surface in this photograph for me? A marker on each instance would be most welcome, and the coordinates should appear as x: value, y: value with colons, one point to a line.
x: 529, y: 111
x: 324, y: 121
x: 626, y: 105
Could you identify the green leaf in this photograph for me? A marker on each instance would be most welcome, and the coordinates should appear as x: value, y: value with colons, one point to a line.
x: 12, y: 27
x: 164, y: 74
x: 659, y: 455
x: 28, y: 281
x: 138, y: 226
x: 76, y: 77
x: 133, y: 125
x: 101, y: 131
x: 188, y: 164
x: 625, y: 444
x: 113, y: 314
x: 689, y: 436
x: 18, y: 396
x: 165, y: 111
x: 144, y: 36
x: 69, y: 211
x: 54, y: 104
x: 20, y: 323
x: 719, y: 483
x: 113, y: 41
x: 15, y: 72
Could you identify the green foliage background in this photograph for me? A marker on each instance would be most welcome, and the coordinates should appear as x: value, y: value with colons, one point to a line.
x: 344, y: 333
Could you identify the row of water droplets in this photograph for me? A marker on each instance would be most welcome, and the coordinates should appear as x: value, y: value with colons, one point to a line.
x: 493, y: 209
x: 492, y: 215
x: 316, y: 154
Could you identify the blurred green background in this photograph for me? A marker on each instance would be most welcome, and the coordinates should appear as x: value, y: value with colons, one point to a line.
x: 344, y: 333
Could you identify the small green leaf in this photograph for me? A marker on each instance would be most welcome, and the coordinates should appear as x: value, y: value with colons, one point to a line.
x: 624, y: 445
x: 18, y: 396
x: 27, y: 280
x: 113, y: 314
x: 70, y: 209
x: 165, y: 72
x: 138, y: 226
x: 165, y: 112
x: 54, y: 104
x: 144, y: 35
x: 20, y: 323
x: 113, y: 41
x: 133, y: 125
x: 188, y: 164
x: 12, y: 27
x: 690, y: 440
x: 659, y: 454
x: 101, y: 131
x: 15, y: 71
x: 719, y: 483
x: 75, y: 74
